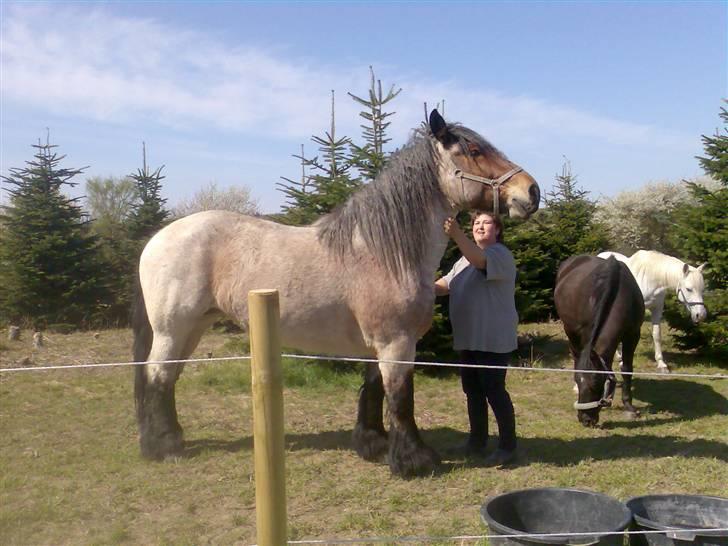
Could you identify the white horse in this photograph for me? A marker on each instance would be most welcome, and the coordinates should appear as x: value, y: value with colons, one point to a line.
x: 358, y: 282
x: 655, y: 273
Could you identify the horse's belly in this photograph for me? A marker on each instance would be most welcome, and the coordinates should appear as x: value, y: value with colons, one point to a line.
x: 324, y: 332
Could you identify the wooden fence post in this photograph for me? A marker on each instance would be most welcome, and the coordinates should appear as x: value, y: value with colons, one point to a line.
x: 268, y: 434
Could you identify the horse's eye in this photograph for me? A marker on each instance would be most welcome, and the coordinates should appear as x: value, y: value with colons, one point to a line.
x: 473, y: 150
x: 689, y: 289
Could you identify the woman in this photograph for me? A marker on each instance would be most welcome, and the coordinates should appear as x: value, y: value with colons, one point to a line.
x: 483, y: 315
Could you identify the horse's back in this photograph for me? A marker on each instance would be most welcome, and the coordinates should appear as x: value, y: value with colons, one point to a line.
x: 207, y: 263
x: 187, y: 265
x: 584, y: 283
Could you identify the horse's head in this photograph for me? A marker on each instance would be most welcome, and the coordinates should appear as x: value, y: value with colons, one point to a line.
x: 596, y: 390
x: 475, y: 175
x: 690, y: 292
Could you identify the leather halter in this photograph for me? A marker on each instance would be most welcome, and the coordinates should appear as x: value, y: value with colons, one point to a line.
x: 492, y: 182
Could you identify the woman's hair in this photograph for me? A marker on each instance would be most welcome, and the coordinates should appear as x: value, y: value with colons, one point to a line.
x: 496, y: 220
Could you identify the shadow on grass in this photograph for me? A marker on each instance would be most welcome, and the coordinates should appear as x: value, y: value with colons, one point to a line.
x: 684, y: 400
x: 560, y: 452
x: 531, y: 450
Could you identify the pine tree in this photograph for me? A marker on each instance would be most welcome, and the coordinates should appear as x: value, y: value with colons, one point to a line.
x: 701, y: 235
x: 48, y: 260
x: 148, y: 214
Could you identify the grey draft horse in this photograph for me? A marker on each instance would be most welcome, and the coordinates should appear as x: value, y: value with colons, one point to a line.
x: 358, y: 282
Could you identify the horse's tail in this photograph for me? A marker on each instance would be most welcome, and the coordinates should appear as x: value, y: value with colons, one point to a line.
x: 606, y: 285
x: 142, y: 346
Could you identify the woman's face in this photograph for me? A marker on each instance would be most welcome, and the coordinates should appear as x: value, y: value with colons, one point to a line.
x: 485, y: 231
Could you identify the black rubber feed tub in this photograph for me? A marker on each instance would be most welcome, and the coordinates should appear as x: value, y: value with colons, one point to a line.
x: 555, y: 510
x: 671, y: 512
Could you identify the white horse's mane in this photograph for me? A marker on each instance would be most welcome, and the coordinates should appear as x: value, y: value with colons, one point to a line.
x: 659, y: 268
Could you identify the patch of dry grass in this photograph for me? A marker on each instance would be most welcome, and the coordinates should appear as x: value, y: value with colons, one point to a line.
x: 71, y: 472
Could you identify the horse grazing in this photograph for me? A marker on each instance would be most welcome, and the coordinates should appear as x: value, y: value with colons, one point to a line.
x: 655, y: 273
x: 600, y: 306
x: 358, y: 282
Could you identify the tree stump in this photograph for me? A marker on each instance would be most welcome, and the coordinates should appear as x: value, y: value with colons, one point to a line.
x: 14, y: 333
x: 38, y: 340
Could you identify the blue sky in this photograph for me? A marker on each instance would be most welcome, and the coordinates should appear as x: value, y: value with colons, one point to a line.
x: 226, y: 92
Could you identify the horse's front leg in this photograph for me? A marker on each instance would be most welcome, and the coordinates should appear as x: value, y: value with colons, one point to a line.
x: 408, y: 454
x: 370, y: 438
x: 628, y: 349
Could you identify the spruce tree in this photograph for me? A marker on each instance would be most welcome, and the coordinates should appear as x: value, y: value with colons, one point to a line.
x: 573, y: 227
x: 330, y: 185
x: 148, y: 214
x: 48, y: 260
x: 370, y: 158
x: 701, y: 235
x: 564, y: 228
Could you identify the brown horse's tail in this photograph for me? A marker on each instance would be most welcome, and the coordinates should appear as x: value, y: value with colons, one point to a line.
x: 606, y: 286
x: 142, y: 346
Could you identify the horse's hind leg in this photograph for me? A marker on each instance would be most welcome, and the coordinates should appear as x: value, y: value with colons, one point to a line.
x: 408, y: 454
x: 370, y: 438
x: 160, y: 434
x: 629, y: 344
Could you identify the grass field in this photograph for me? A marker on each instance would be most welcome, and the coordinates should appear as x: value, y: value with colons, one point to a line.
x: 70, y: 470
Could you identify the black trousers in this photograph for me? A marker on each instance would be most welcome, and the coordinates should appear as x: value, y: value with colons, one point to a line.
x: 487, y: 386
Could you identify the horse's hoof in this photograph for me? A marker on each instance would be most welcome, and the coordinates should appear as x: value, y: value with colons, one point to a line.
x: 370, y: 445
x: 663, y: 369
x: 420, y: 462
x: 168, y: 446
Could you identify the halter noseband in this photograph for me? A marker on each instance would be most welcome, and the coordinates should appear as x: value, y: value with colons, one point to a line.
x: 492, y: 182
x: 606, y: 399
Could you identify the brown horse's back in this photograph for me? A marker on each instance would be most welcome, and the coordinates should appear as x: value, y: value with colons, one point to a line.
x: 598, y: 300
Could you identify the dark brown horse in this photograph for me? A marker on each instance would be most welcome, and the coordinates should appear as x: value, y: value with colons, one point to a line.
x: 601, y: 305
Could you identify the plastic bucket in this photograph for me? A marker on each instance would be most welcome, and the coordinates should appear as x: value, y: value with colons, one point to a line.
x: 672, y: 512
x: 555, y: 510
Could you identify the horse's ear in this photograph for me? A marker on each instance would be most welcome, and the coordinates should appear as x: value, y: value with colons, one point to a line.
x: 438, y: 126
x: 686, y: 270
x: 701, y: 266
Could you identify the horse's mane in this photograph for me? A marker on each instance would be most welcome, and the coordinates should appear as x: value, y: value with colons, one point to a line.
x: 606, y: 283
x: 660, y: 268
x: 389, y: 212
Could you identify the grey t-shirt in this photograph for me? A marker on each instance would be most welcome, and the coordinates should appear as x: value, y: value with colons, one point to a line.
x: 482, y: 303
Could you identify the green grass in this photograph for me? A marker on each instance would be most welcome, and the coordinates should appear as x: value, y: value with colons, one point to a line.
x: 70, y: 472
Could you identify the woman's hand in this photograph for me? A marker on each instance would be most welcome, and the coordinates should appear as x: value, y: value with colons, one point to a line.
x: 451, y: 227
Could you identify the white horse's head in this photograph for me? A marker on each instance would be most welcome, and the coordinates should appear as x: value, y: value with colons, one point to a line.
x: 476, y: 175
x: 690, y: 292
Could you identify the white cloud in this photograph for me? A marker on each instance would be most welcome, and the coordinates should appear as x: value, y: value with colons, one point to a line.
x: 86, y: 62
